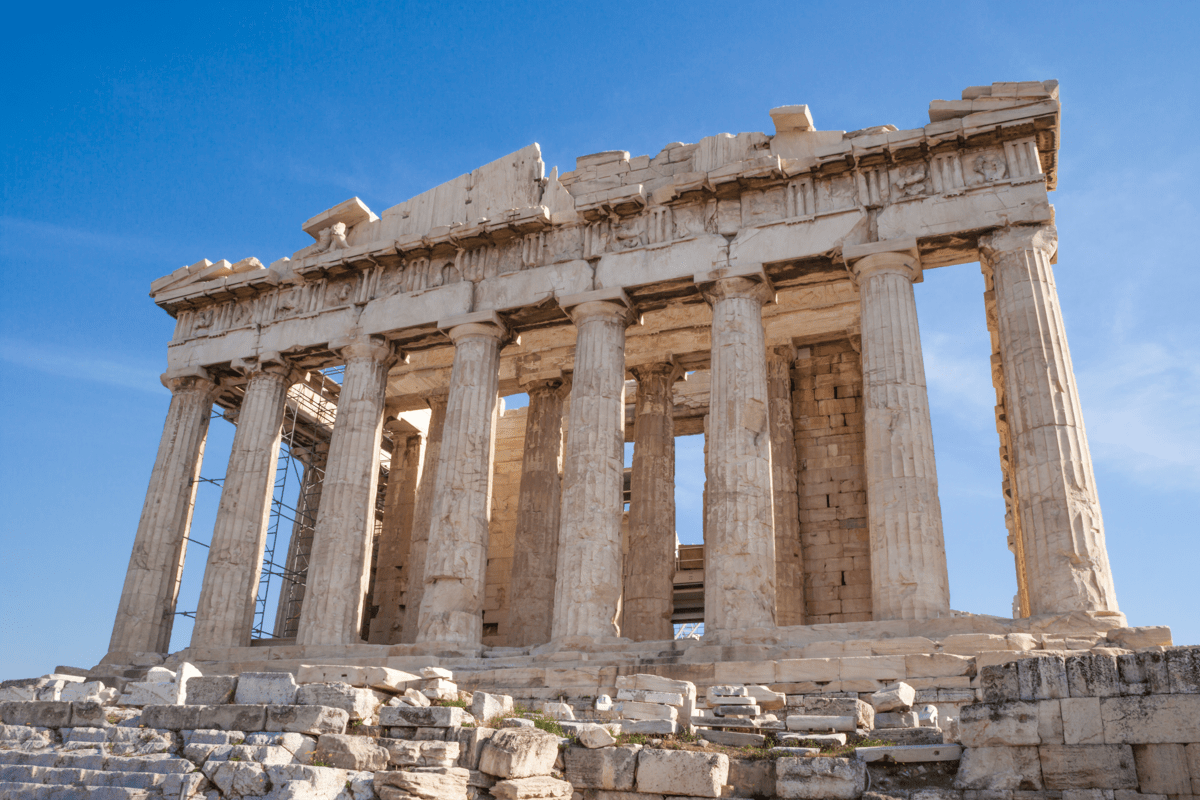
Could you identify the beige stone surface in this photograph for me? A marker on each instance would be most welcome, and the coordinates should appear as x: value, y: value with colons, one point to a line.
x: 531, y: 788
x: 395, y: 538
x: 423, y: 517
x: 1162, y: 769
x: 225, y: 613
x: 999, y: 769
x: 999, y: 724
x: 535, y: 548
x: 456, y: 555
x: 519, y: 753
x: 1107, y: 766
x: 649, y: 572
x: 682, y: 772
x: 146, y: 612
x: 789, y: 555
x: 820, y: 778
x: 739, y: 552
x: 338, y: 572
x: 588, y: 576
x: 1155, y: 719
x: 908, y: 554
x: 1061, y: 524
x: 1081, y: 720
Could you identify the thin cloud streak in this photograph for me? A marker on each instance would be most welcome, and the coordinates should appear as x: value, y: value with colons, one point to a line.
x: 79, y: 366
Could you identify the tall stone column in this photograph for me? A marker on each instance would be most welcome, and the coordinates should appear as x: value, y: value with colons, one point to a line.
x: 535, y: 549
x: 308, y: 501
x: 1060, y: 523
x: 422, y: 517
x: 739, y: 549
x: 146, y: 612
x: 225, y: 614
x: 339, y: 568
x: 908, y: 554
x: 587, y: 591
x: 650, y: 568
x: 456, y: 555
x: 392, y: 569
x: 789, y: 559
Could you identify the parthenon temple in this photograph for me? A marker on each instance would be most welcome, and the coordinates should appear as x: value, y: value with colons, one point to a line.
x: 756, y: 288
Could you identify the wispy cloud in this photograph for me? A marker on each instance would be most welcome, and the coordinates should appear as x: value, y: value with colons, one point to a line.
x: 959, y: 381
x: 80, y: 365
x: 27, y: 238
x: 1142, y: 410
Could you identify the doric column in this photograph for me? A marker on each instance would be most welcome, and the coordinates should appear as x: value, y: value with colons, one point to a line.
x: 146, y: 611
x: 789, y: 560
x: 225, y: 614
x: 908, y: 554
x: 339, y: 568
x: 739, y: 549
x: 456, y: 555
x: 308, y: 501
x: 1061, y: 527
x: 650, y: 567
x: 422, y: 517
x: 587, y: 589
x: 535, y: 549
x: 395, y: 540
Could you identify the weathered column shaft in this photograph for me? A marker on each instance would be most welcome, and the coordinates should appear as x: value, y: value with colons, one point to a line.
x: 650, y: 567
x: 422, y: 517
x: 1061, y: 525
x: 146, y: 612
x: 789, y: 559
x: 395, y: 540
x: 225, y: 614
x: 308, y: 501
x: 339, y: 568
x: 908, y: 554
x: 739, y: 551
x: 587, y: 590
x: 535, y: 548
x: 456, y: 555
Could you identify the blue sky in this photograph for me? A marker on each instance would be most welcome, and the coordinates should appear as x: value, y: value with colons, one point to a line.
x: 138, y: 138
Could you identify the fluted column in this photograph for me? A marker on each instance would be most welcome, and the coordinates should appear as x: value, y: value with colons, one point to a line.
x: 422, y: 517
x: 587, y: 589
x: 339, y: 568
x: 146, y: 611
x: 908, y: 554
x: 456, y: 555
x: 392, y: 568
x: 650, y: 567
x: 535, y: 549
x: 1066, y: 560
x: 789, y: 560
x: 739, y: 551
x: 291, y: 594
x: 225, y: 614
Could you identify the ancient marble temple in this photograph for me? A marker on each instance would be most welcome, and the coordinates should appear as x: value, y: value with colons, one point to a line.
x: 756, y: 288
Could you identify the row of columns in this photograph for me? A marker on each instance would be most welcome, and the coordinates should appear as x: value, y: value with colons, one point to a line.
x: 569, y: 575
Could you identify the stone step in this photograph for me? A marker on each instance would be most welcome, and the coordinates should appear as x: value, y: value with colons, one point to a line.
x: 158, y: 763
x: 51, y: 776
x: 40, y: 791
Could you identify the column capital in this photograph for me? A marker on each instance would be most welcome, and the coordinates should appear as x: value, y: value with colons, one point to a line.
x: 894, y: 263
x: 738, y: 287
x: 1020, y: 237
x: 670, y: 368
x: 189, y: 379
x: 271, y: 363
x: 598, y: 303
x: 366, y: 348
x: 545, y: 383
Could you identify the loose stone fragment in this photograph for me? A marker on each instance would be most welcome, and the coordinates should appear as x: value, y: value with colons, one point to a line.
x: 894, y: 698
x: 820, y: 778
x: 799, y: 722
x: 681, y: 772
x: 486, y: 706
x: 519, y: 753
x: 593, y: 736
x: 266, y: 688
x: 350, y: 752
x: 440, y: 784
x: 609, y: 768
x: 532, y: 788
